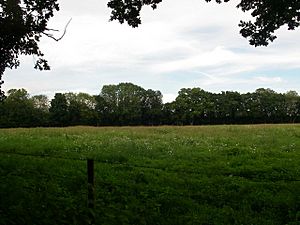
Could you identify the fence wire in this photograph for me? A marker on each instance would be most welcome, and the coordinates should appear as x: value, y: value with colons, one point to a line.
x: 128, y: 165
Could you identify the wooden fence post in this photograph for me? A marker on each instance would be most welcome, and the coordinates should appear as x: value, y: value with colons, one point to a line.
x: 91, y: 190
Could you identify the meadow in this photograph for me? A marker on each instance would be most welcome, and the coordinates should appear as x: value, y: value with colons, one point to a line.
x: 248, y: 174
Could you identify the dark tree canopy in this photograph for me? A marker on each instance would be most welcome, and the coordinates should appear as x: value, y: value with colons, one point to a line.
x: 22, y: 23
x: 268, y: 16
x: 127, y: 104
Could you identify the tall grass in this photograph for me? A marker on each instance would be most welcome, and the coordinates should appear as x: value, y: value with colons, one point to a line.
x: 152, y: 175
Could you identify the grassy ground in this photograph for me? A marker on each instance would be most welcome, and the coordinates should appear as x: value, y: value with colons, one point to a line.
x: 152, y: 175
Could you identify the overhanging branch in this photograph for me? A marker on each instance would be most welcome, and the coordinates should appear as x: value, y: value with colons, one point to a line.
x: 52, y: 36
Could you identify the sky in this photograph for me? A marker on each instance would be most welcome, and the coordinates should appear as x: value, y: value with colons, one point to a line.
x: 178, y: 45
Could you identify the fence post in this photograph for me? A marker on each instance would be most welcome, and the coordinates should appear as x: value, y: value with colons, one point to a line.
x: 91, y: 190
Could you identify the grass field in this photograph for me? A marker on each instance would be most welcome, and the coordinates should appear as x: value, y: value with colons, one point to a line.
x: 152, y: 175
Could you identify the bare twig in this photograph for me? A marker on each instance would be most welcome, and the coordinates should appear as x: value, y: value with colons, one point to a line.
x: 57, y: 39
x: 52, y: 29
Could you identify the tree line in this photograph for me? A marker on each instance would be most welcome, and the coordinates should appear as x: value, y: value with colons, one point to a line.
x: 128, y: 104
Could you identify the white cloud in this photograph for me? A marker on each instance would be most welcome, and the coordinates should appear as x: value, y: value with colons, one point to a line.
x: 269, y: 80
x: 218, y: 56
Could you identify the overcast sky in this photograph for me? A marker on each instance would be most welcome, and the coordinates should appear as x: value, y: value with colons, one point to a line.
x: 179, y: 45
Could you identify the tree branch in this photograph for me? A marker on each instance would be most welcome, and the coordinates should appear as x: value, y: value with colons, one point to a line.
x: 57, y: 39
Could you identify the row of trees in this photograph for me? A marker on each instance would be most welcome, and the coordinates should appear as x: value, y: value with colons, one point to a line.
x: 129, y: 104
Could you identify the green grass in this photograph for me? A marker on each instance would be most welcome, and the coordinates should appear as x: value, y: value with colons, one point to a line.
x: 152, y: 175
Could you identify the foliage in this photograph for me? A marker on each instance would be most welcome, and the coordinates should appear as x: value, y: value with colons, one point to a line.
x: 19, y: 110
x: 23, y: 23
x: 41, y: 109
x: 152, y: 107
x: 81, y: 108
x: 128, y: 104
x: 269, y: 16
x: 155, y: 175
x: 196, y: 106
x: 59, y: 113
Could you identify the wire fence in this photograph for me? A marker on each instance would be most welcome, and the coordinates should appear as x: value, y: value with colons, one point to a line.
x: 86, y: 173
x: 72, y: 177
x: 132, y: 165
x: 89, y: 175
